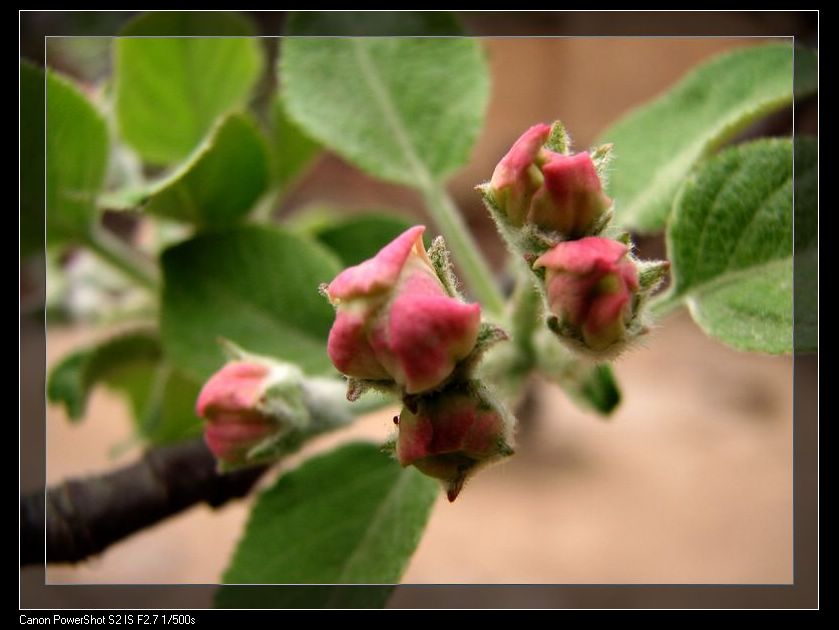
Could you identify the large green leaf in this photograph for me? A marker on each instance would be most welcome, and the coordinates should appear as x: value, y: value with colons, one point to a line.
x: 406, y: 110
x: 352, y: 516
x: 77, y: 153
x: 806, y: 268
x: 373, y: 24
x: 162, y: 399
x: 357, y: 238
x: 292, y: 149
x: 657, y: 144
x: 253, y: 285
x: 72, y: 380
x: 132, y: 364
x: 170, y: 89
x: 730, y: 242
x: 32, y: 157
x: 223, y: 180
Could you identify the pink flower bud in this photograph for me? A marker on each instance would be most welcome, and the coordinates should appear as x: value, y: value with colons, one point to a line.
x: 395, y: 320
x: 590, y: 286
x: 516, y: 178
x: 230, y: 403
x: 448, y: 435
x: 551, y: 190
x: 571, y: 199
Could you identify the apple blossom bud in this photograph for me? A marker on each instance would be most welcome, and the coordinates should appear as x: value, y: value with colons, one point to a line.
x: 448, y: 435
x: 395, y: 320
x: 571, y: 201
x: 550, y: 189
x: 591, y: 284
x: 516, y: 178
x: 248, y: 404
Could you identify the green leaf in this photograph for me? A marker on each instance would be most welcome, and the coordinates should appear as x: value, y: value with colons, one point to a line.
x: 292, y: 149
x: 595, y: 388
x: 32, y: 156
x: 77, y: 153
x: 357, y: 238
x: 657, y: 144
x: 170, y: 90
x: 352, y: 516
x: 806, y: 268
x: 806, y: 79
x: 373, y: 24
x: 221, y: 182
x: 406, y: 110
x: 162, y: 399
x: 730, y: 243
x: 254, y: 285
x: 72, y: 380
x: 591, y: 387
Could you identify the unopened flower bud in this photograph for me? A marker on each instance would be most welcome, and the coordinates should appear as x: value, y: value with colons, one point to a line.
x: 246, y: 405
x: 591, y: 284
x: 549, y: 189
x: 396, y: 321
x: 448, y: 435
x: 571, y: 199
x: 516, y: 177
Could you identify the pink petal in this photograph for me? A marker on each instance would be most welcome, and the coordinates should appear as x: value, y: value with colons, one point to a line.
x: 520, y: 157
x: 230, y: 440
x: 349, y: 349
x: 415, y: 434
x: 380, y: 272
x: 629, y: 274
x: 449, y: 425
x: 571, y: 198
x: 426, y: 335
x: 569, y: 296
x: 237, y: 386
x: 605, y: 323
x: 606, y: 310
x: 583, y: 256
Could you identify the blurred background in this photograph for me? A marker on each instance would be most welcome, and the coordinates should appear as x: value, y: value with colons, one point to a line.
x: 690, y: 481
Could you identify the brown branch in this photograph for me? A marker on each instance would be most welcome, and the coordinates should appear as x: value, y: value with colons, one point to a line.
x: 85, y: 516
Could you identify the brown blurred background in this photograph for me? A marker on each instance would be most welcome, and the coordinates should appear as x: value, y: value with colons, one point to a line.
x: 689, y: 482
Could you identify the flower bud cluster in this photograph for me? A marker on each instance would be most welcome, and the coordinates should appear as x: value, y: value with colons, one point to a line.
x: 400, y: 325
x: 550, y: 206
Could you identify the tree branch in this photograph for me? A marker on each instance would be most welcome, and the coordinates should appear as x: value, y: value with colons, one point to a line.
x: 85, y: 516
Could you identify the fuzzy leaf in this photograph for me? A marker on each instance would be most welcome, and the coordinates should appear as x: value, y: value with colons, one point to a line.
x: 162, y: 399
x: 373, y: 24
x: 730, y: 243
x: 221, y: 182
x: 351, y: 516
x: 406, y: 110
x: 170, y: 89
x: 657, y: 144
x: 256, y: 286
x: 357, y: 238
x: 806, y: 267
x: 77, y: 153
x: 292, y: 150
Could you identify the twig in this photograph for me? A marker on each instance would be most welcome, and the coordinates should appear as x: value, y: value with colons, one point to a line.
x: 85, y: 516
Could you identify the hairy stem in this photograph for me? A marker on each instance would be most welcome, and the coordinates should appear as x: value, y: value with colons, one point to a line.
x: 464, y: 249
x: 130, y: 262
x: 526, y: 314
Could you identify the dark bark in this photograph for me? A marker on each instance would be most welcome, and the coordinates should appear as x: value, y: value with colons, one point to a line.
x: 84, y: 516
